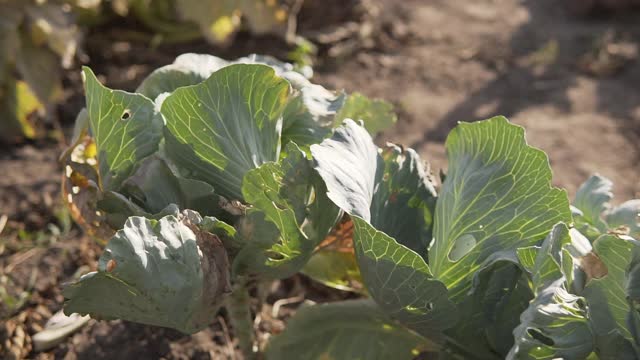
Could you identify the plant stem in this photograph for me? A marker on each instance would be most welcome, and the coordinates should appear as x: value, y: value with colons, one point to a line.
x: 239, y: 309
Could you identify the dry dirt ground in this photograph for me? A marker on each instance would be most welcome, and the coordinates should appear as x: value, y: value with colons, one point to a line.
x: 531, y: 61
x: 573, y: 82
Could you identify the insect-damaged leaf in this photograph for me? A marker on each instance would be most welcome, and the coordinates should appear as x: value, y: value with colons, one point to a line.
x: 167, y: 273
x: 289, y: 217
x: 126, y: 129
x: 354, y: 329
x: 227, y: 125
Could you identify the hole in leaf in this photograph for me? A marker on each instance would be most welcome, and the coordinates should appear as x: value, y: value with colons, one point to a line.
x: 126, y: 115
x: 538, y: 335
x: 462, y: 246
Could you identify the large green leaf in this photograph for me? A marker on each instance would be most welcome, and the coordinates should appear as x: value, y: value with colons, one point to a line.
x: 347, y: 163
x: 555, y: 325
x: 227, y: 125
x: 400, y: 281
x: 281, y: 194
x: 349, y: 330
x: 613, y: 298
x: 166, y: 273
x: 125, y: 126
x: 495, y: 199
x: 311, y: 112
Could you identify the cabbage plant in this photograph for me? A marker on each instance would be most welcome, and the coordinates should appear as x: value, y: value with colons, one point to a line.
x: 493, y: 266
x: 215, y: 175
x: 37, y: 40
x: 201, y: 181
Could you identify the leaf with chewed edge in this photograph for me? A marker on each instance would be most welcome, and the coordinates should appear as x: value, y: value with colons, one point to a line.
x: 166, y: 273
x: 280, y: 194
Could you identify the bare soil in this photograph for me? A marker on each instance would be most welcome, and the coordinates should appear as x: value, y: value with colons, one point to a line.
x: 572, y: 81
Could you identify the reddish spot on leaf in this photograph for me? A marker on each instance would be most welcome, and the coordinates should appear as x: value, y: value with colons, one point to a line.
x: 111, y: 264
x: 593, y: 266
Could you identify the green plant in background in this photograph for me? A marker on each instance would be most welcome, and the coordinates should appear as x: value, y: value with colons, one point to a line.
x: 183, y: 20
x: 205, y: 174
x: 37, y: 39
x: 594, y: 215
x: 214, y: 174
